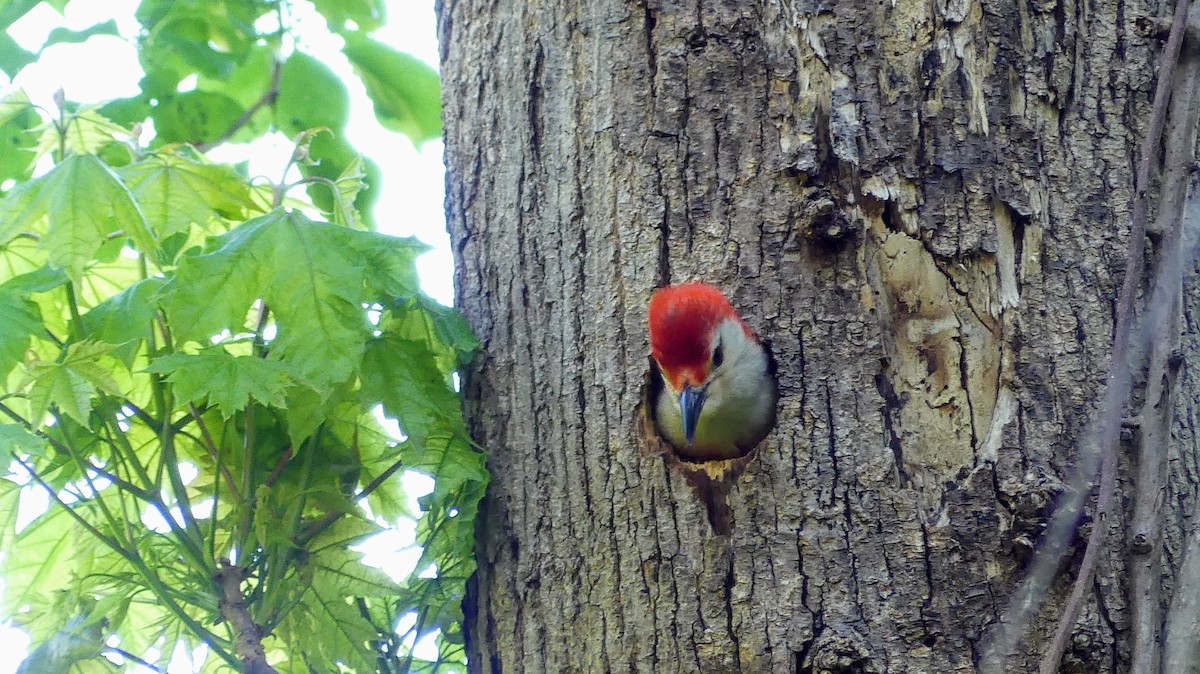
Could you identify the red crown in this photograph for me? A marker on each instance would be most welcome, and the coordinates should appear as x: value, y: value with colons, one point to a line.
x: 682, y: 321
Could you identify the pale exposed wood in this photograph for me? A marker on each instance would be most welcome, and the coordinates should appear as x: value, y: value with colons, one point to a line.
x: 922, y: 206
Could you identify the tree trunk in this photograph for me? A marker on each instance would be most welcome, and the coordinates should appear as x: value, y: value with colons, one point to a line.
x: 922, y: 206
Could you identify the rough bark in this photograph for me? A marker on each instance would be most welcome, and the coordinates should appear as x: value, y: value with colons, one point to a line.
x: 248, y: 635
x: 923, y: 207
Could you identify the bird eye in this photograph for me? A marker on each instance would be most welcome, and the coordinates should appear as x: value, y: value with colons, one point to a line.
x: 718, y: 356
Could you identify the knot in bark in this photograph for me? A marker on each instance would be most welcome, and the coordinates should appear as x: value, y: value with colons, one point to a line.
x: 842, y: 652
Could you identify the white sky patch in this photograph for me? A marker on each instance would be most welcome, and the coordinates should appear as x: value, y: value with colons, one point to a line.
x: 104, y: 67
x: 390, y: 425
x: 426, y: 648
x: 33, y: 502
x: 416, y: 485
x: 392, y: 551
x: 188, y: 472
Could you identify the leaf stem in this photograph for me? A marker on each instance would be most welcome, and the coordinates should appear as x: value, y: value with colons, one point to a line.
x: 104, y: 538
x: 192, y: 547
x: 135, y: 659
x: 282, y: 553
x: 215, y: 454
x: 247, y: 478
x: 76, y: 324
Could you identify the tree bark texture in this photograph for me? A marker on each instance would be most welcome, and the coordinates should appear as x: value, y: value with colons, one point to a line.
x: 922, y: 206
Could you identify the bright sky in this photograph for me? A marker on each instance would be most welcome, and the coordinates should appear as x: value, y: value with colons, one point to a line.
x: 410, y: 202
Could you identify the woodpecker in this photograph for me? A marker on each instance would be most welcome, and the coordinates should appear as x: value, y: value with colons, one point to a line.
x: 719, y: 394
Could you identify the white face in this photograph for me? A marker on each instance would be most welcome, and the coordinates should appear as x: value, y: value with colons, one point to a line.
x: 732, y: 353
x: 738, y: 397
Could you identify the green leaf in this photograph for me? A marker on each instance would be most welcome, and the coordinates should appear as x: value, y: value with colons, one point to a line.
x: 125, y: 318
x: 449, y: 459
x: 349, y: 184
x: 227, y: 381
x: 406, y: 92
x: 176, y: 192
x: 367, y: 15
x: 147, y: 626
x: 71, y: 383
x: 75, y: 208
x: 163, y: 75
x: 319, y: 365
x: 40, y: 280
x: 333, y: 158
x: 311, y: 275
x: 195, y: 117
x: 250, y: 79
x: 310, y: 96
x: 71, y: 645
x: 87, y: 132
x: 443, y: 329
x: 21, y: 319
x: 14, y: 105
x: 47, y: 556
x: 21, y: 316
x: 209, y: 38
x: 110, y: 609
x: 12, y: 57
x: 56, y: 384
x: 11, y: 10
x: 345, y: 633
x: 401, y: 374
x: 342, y: 569
x: 14, y: 438
x: 127, y: 111
x: 61, y: 35
x: 18, y: 138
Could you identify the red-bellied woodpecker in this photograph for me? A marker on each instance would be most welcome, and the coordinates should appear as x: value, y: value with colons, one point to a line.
x: 718, y: 396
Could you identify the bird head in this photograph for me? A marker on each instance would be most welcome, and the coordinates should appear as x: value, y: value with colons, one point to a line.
x: 696, y: 338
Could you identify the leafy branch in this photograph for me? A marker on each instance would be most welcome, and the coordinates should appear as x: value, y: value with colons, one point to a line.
x: 191, y: 371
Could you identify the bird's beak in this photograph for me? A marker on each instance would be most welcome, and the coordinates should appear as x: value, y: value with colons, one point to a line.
x: 691, y: 401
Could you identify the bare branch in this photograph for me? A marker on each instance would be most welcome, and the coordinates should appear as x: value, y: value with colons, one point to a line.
x: 1164, y: 322
x: 1156, y: 416
x: 1098, y: 451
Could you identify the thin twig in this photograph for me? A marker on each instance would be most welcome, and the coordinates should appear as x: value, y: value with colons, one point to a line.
x: 279, y: 466
x: 135, y: 659
x: 1119, y: 369
x: 79, y: 519
x: 324, y: 523
x: 211, y: 447
x: 1162, y: 321
x: 100, y: 470
x: 267, y: 98
x: 1102, y: 454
